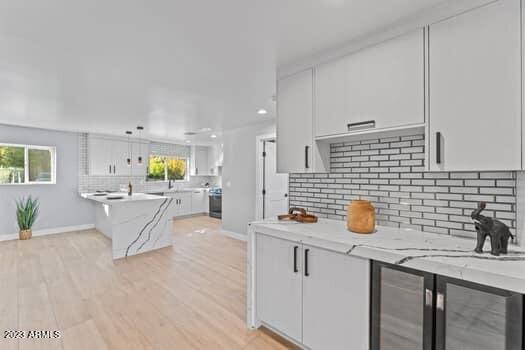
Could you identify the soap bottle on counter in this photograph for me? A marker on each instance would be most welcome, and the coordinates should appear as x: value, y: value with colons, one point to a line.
x: 130, y: 189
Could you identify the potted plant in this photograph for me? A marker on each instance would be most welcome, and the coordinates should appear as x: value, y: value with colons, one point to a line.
x: 26, y: 215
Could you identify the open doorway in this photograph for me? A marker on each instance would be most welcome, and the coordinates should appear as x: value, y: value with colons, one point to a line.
x: 272, y: 188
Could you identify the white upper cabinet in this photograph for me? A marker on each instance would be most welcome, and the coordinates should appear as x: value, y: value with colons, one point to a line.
x: 294, y: 123
x: 378, y: 87
x: 109, y: 155
x: 205, y: 161
x: 475, y: 90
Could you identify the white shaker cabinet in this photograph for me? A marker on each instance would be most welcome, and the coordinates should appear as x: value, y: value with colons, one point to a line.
x: 317, y: 297
x: 379, y: 87
x: 475, y: 90
x: 279, y: 285
x: 294, y: 123
x: 100, y: 156
x: 335, y: 300
x: 198, y: 201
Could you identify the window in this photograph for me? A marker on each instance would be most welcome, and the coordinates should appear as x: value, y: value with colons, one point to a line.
x: 24, y: 164
x: 167, y: 168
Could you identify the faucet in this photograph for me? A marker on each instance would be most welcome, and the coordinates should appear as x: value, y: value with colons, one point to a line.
x: 170, y: 184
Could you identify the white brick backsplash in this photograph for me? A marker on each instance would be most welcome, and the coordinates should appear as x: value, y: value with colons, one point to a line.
x: 390, y: 172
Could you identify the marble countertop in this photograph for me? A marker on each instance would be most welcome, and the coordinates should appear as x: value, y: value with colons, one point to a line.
x: 188, y: 189
x: 440, y: 254
x: 136, y: 197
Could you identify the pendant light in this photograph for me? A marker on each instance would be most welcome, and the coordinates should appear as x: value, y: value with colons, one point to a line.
x: 128, y: 159
x: 139, y: 159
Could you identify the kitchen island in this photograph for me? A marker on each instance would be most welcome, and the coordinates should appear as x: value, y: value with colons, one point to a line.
x: 135, y: 224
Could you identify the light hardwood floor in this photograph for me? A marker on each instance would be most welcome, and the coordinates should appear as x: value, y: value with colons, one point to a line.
x: 189, y: 296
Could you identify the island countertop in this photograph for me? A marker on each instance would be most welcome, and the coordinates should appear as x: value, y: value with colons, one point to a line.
x: 125, y: 198
x: 440, y: 254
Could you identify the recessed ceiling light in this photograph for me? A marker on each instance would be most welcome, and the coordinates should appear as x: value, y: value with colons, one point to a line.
x: 204, y: 129
x: 188, y: 141
x: 213, y: 136
x: 262, y: 111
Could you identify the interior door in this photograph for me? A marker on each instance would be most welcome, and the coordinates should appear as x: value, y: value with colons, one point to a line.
x: 476, y: 317
x: 402, y: 308
x: 475, y: 89
x: 336, y: 293
x: 275, y: 185
x: 294, y: 123
x: 278, y: 284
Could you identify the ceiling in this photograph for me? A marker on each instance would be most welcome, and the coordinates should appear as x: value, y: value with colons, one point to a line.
x: 170, y: 65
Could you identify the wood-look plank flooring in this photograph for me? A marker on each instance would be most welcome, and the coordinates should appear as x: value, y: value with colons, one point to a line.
x: 189, y: 296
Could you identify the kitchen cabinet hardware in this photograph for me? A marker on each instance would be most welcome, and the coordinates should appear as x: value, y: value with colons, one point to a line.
x: 306, y: 149
x: 438, y: 147
x: 295, y: 248
x: 306, y: 272
x: 361, y: 125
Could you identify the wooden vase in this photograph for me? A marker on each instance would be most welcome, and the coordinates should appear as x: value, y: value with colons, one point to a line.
x: 25, y: 234
x: 361, y: 217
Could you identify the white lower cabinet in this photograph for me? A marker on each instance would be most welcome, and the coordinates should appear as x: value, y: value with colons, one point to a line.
x: 279, y: 281
x: 317, y: 297
x: 335, y: 300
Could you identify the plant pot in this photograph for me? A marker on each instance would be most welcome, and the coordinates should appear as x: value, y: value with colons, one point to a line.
x: 25, y: 234
x: 361, y: 217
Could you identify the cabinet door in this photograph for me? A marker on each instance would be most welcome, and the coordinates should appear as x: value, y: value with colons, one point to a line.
x: 385, y: 84
x: 336, y: 290
x: 120, y: 154
x: 294, y: 123
x: 198, y: 202
x: 185, y: 203
x: 200, y: 161
x: 278, y: 285
x: 330, y: 115
x: 475, y: 317
x: 475, y: 89
x: 402, y: 308
x: 100, y: 161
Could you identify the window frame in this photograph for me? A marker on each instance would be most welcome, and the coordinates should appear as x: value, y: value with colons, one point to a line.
x: 165, y: 157
x: 51, y: 149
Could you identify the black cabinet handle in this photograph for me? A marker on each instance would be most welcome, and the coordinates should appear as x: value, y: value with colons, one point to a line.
x: 114, y: 172
x: 110, y: 169
x: 295, y: 259
x: 306, y: 149
x: 438, y: 147
x: 196, y: 171
x: 366, y: 124
x: 306, y: 273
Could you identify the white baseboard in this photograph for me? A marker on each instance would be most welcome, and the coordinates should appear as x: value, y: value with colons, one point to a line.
x: 50, y: 231
x: 235, y: 235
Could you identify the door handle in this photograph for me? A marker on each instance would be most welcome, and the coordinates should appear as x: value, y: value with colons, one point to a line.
x: 295, y: 248
x: 306, y: 273
x: 428, y: 297
x: 438, y: 147
x: 440, y: 302
x: 306, y: 149
x: 114, y: 172
x: 361, y: 125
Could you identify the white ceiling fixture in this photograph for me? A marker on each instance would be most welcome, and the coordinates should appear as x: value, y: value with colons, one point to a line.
x: 169, y: 65
x: 213, y: 136
x: 262, y: 111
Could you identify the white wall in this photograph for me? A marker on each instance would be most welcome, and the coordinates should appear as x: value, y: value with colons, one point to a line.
x: 238, y: 175
x: 60, y: 204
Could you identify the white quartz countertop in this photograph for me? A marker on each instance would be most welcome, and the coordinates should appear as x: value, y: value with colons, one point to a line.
x: 136, y: 197
x: 440, y: 254
x: 175, y: 190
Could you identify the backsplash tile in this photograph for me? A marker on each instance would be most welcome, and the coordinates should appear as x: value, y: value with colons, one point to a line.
x: 390, y: 173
